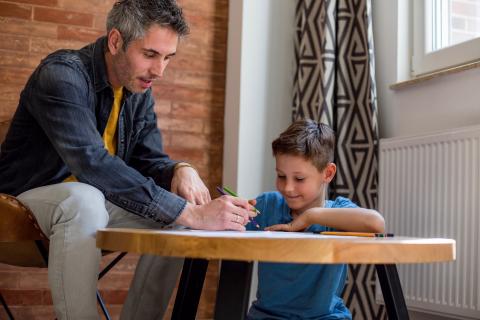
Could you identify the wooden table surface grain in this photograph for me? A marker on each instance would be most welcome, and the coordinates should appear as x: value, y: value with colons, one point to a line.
x: 277, y: 246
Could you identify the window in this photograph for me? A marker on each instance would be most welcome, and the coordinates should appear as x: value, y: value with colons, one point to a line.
x: 446, y: 34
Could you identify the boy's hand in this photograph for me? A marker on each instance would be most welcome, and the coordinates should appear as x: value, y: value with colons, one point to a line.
x: 300, y: 223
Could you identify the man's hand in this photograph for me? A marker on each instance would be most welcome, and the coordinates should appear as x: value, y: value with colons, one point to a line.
x: 224, y: 213
x: 187, y: 184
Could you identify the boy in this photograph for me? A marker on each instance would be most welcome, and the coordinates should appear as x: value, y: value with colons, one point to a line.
x: 304, y: 154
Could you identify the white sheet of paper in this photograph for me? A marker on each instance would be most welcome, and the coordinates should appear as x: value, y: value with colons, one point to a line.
x: 244, y: 234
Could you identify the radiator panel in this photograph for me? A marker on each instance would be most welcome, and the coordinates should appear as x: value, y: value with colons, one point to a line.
x: 430, y: 187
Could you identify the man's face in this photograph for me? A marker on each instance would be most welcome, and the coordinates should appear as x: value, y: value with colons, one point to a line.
x: 144, y: 60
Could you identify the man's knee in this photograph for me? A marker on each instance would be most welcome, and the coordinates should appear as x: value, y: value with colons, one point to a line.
x: 85, y: 204
x: 67, y: 202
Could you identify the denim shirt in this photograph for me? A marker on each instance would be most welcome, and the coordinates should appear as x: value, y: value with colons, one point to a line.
x: 57, y: 131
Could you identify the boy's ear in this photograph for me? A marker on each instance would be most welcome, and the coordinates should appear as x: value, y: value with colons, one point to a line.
x: 115, y: 41
x: 329, y: 172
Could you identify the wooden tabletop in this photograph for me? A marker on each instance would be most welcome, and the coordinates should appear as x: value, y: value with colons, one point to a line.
x: 277, y: 246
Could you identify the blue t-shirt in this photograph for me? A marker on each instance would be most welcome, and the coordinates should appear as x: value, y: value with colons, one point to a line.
x: 297, y: 291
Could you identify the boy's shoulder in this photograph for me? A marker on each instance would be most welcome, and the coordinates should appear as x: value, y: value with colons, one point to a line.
x: 272, y: 202
x: 340, y: 202
x: 270, y: 197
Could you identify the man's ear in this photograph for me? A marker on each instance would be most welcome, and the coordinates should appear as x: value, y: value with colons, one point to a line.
x: 329, y: 172
x: 115, y: 41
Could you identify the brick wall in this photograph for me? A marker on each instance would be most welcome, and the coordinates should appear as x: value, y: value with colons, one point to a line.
x: 464, y: 20
x: 189, y: 105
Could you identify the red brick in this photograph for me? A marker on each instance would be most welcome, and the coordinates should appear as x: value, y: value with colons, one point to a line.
x: 19, y: 59
x: 9, y: 279
x: 47, y: 297
x: 7, y: 108
x: 62, y: 16
x: 113, y: 309
x: 113, y: 280
x: 23, y: 297
x: 206, y: 7
x: 209, y: 38
x: 181, y: 125
x: 13, y: 10
x: 193, y: 110
x: 195, y: 46
x: 46, y: 46
x: 126, y: 265
x: 10, y: 91
x: 14, y: 43
x: 28, y: 28
x: 78, y: 33
x: 188, y: 61
x: 33, y: 312
x: 37, y: 280
x: 190, y: 141
x: 100, y: 22
x: 204, y: 22
x: 162, y: 107
x: 9, y: 75
x: 214, y: 128
x: 114, y: 296
x: 194, y: 156
x: 87, y: 6
x: 178, y: 93
x: 50, y: 3
x: 199, y: 80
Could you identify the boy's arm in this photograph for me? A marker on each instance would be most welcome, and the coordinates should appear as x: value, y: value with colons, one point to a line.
x: 346, y: 219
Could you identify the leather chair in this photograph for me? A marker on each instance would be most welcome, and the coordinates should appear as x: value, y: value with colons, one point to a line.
x: 22, y: 243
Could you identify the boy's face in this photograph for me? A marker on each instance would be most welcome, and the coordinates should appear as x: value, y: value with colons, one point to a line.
x: 300, y: 182
x: 144, y: 59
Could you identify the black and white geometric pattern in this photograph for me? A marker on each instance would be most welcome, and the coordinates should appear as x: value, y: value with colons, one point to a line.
x: 335, y: 84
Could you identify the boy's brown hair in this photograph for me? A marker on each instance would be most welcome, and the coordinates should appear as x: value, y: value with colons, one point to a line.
x: 307, y: 138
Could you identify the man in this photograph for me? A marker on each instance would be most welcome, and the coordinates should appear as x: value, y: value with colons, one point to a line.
x: 83, y: 152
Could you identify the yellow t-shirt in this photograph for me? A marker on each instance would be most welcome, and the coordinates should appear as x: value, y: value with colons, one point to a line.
x: 110, y: 135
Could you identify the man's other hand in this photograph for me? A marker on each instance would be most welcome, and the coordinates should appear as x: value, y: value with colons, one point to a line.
x: 187, y: 184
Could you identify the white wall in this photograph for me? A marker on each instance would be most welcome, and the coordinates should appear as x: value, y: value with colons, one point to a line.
x: 449, y: 101
x: 258, y: 91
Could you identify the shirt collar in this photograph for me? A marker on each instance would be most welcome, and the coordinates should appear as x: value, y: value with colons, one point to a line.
x: 99, y: 66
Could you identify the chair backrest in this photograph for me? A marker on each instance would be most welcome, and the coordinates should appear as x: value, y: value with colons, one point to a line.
x: 19, y: 232
x: 18, y: 228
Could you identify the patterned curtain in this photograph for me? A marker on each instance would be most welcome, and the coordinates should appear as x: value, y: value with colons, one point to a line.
x: 335, y: 84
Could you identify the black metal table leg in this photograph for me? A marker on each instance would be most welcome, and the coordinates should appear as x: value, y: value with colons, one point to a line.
x: 392, y: 292
x: 233, y: 290
x: 189, y: 289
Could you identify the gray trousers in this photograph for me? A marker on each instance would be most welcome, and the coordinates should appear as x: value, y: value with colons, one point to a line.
x: 70, y: 214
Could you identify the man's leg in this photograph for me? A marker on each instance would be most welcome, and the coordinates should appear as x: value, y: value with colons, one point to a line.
x: 70, y: 214
x: 155, y: 277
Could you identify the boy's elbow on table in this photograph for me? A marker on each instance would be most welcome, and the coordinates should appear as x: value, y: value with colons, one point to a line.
x: 376, y: 222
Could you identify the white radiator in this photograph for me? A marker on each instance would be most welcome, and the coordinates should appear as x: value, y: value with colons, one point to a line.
x: 429, y: 186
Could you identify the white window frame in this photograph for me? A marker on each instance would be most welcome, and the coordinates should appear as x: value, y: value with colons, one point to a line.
x: 423, y: 62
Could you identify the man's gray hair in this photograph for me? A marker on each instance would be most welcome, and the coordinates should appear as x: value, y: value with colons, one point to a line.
x: 133, y: 17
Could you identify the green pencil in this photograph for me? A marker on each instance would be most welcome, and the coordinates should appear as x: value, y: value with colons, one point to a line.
x: 233, y: 194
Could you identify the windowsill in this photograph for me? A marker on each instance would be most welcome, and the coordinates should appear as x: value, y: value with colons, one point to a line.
x: 435, y: 74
